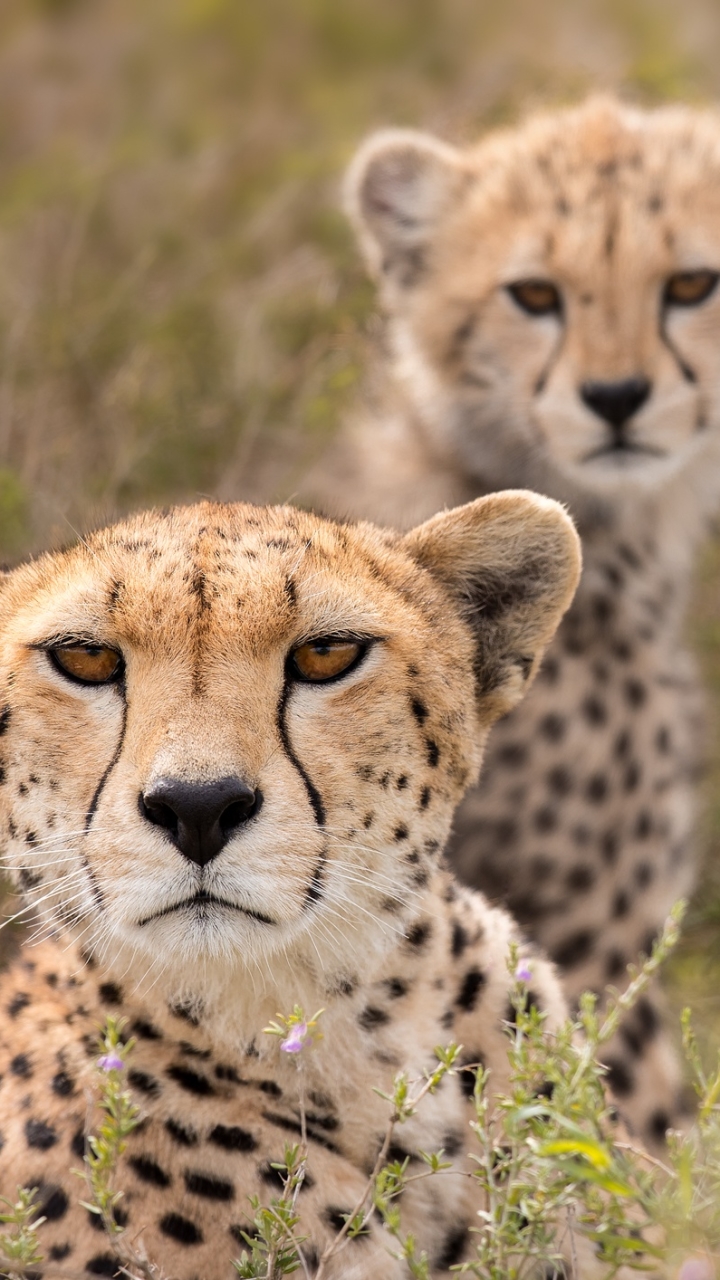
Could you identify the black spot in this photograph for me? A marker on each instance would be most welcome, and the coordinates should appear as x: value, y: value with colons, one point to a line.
x: 145, y: 1030
x: 425, y: 796
x: 183, y: 1134
x: 225, y: 1072
x: 453, y: 1248
x: 370, y: 1018
x: 552, y: 727
x: 193, y: 1051
x: 580, y: 878
x: 57, y: 1252
x: 186, y: 1012
x: 395, y: 987
x: 104, y: 1264
x: 337, y: 1218
x: 632, y: 776
x: 662, y: 739
x: 513, y: 754
x: 560, y: 780
x: 402, y: 782
x: 145, y: 1083
x: 643, y: 826
x: 658, y: 1125
x: 63, y: 1084
x: 53, y: 1203
x: 190, y: 1080
x: 40, y: 1135
x: 368, y: 820
x: 574, y: 949
x: 635, y: 693
x: 621, y: 904
x: 545, y: 819
x: 597, y: 788
x: 20, y: 1001
x: 20, y: 1066
x: 180, y: 1229
x: 148, y: 1171
x: 4, y: 720
x: 647, y: 1018
x: 400, y: 833
x: 595, y: 711
x: 419, y: 710
x: 469, y: 1065
x: 472, y: 985
x: 270, y: 1087
x: 433, y: 752
x: 460, y: 938
x: 615, y: 964
x: 204, y: 1184
x: 232, y: 1138
x: 77, y: 1143
x: 619, y: 1077
x: 419, y: 934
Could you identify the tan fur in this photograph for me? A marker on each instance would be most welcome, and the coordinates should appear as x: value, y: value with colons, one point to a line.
x: 583, y: 820
x: 340, y: 899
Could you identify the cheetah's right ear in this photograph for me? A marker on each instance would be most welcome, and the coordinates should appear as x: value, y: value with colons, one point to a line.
x: 397, y: 188
x: 512, y: 562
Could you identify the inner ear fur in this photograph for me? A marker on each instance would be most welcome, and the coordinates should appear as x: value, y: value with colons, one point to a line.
x: 512, y: 563
x: 398, y: 187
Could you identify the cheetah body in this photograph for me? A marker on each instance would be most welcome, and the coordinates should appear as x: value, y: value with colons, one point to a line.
x: 331, y: 894
x: 583, y: 820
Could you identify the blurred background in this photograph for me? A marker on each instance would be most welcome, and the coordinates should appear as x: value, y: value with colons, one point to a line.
x: 182, y: 310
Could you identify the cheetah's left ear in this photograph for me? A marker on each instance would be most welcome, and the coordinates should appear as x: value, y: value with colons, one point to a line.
x: 512, y: 562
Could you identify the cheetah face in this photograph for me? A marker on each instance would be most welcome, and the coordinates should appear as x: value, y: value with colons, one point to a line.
x: 555, y: 289
x: 230, y: 732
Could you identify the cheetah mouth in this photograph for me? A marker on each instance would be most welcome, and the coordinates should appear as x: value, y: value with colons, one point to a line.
x: 619, y: 450
x: 199, y: 904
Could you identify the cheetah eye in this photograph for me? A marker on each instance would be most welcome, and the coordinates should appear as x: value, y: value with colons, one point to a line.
x: 326, y: 659
x: 87, y: 663
x: 690, y: 288
x: 537, y: 297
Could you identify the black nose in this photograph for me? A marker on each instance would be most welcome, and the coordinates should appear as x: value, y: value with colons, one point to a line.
x: 616, y: 401
x: 200, y: 817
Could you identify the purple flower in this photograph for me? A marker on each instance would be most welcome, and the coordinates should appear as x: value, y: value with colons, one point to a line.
x: 111, y: 1062
x: 295, y: 1039
x: 523, y: 973
x: 696, y: 1269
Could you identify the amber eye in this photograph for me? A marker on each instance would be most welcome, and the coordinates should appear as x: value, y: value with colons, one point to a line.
x: 87, y: 663
x: 325, y: 659
x: 537, y: 297
x: 690, y: 288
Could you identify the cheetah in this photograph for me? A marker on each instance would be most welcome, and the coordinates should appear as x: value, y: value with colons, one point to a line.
x: 553, y: 319
x: 232, y: 742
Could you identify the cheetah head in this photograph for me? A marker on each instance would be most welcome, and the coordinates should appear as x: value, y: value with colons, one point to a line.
x: 233, y: 734
x: 553, y: 292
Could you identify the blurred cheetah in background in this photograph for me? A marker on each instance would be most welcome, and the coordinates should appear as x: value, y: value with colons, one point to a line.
x: 554, y: 322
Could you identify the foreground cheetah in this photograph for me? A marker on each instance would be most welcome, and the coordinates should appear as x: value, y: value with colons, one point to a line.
x: 554, y: 321
x: 232, y: 742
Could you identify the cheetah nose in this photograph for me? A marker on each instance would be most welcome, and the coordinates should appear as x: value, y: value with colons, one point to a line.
x: 616, y: 401
x: 200, y: 817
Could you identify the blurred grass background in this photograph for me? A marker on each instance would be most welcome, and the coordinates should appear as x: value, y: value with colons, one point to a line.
x: 182, y: 311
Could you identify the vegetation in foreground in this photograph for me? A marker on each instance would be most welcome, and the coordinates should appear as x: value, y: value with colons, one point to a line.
x: 553, y: 1165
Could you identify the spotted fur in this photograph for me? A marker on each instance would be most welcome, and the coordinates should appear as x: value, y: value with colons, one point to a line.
x: 583, y: 823
x: 331, y: 893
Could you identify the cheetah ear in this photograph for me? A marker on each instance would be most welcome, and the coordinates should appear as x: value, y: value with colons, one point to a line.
x: 398, y: 187
x: 512, y: 562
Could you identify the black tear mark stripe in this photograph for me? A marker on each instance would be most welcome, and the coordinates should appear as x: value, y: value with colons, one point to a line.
x: 686, y: 370
x: 314, y: 796
x: 96, y: 798
x: 115, y: 757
